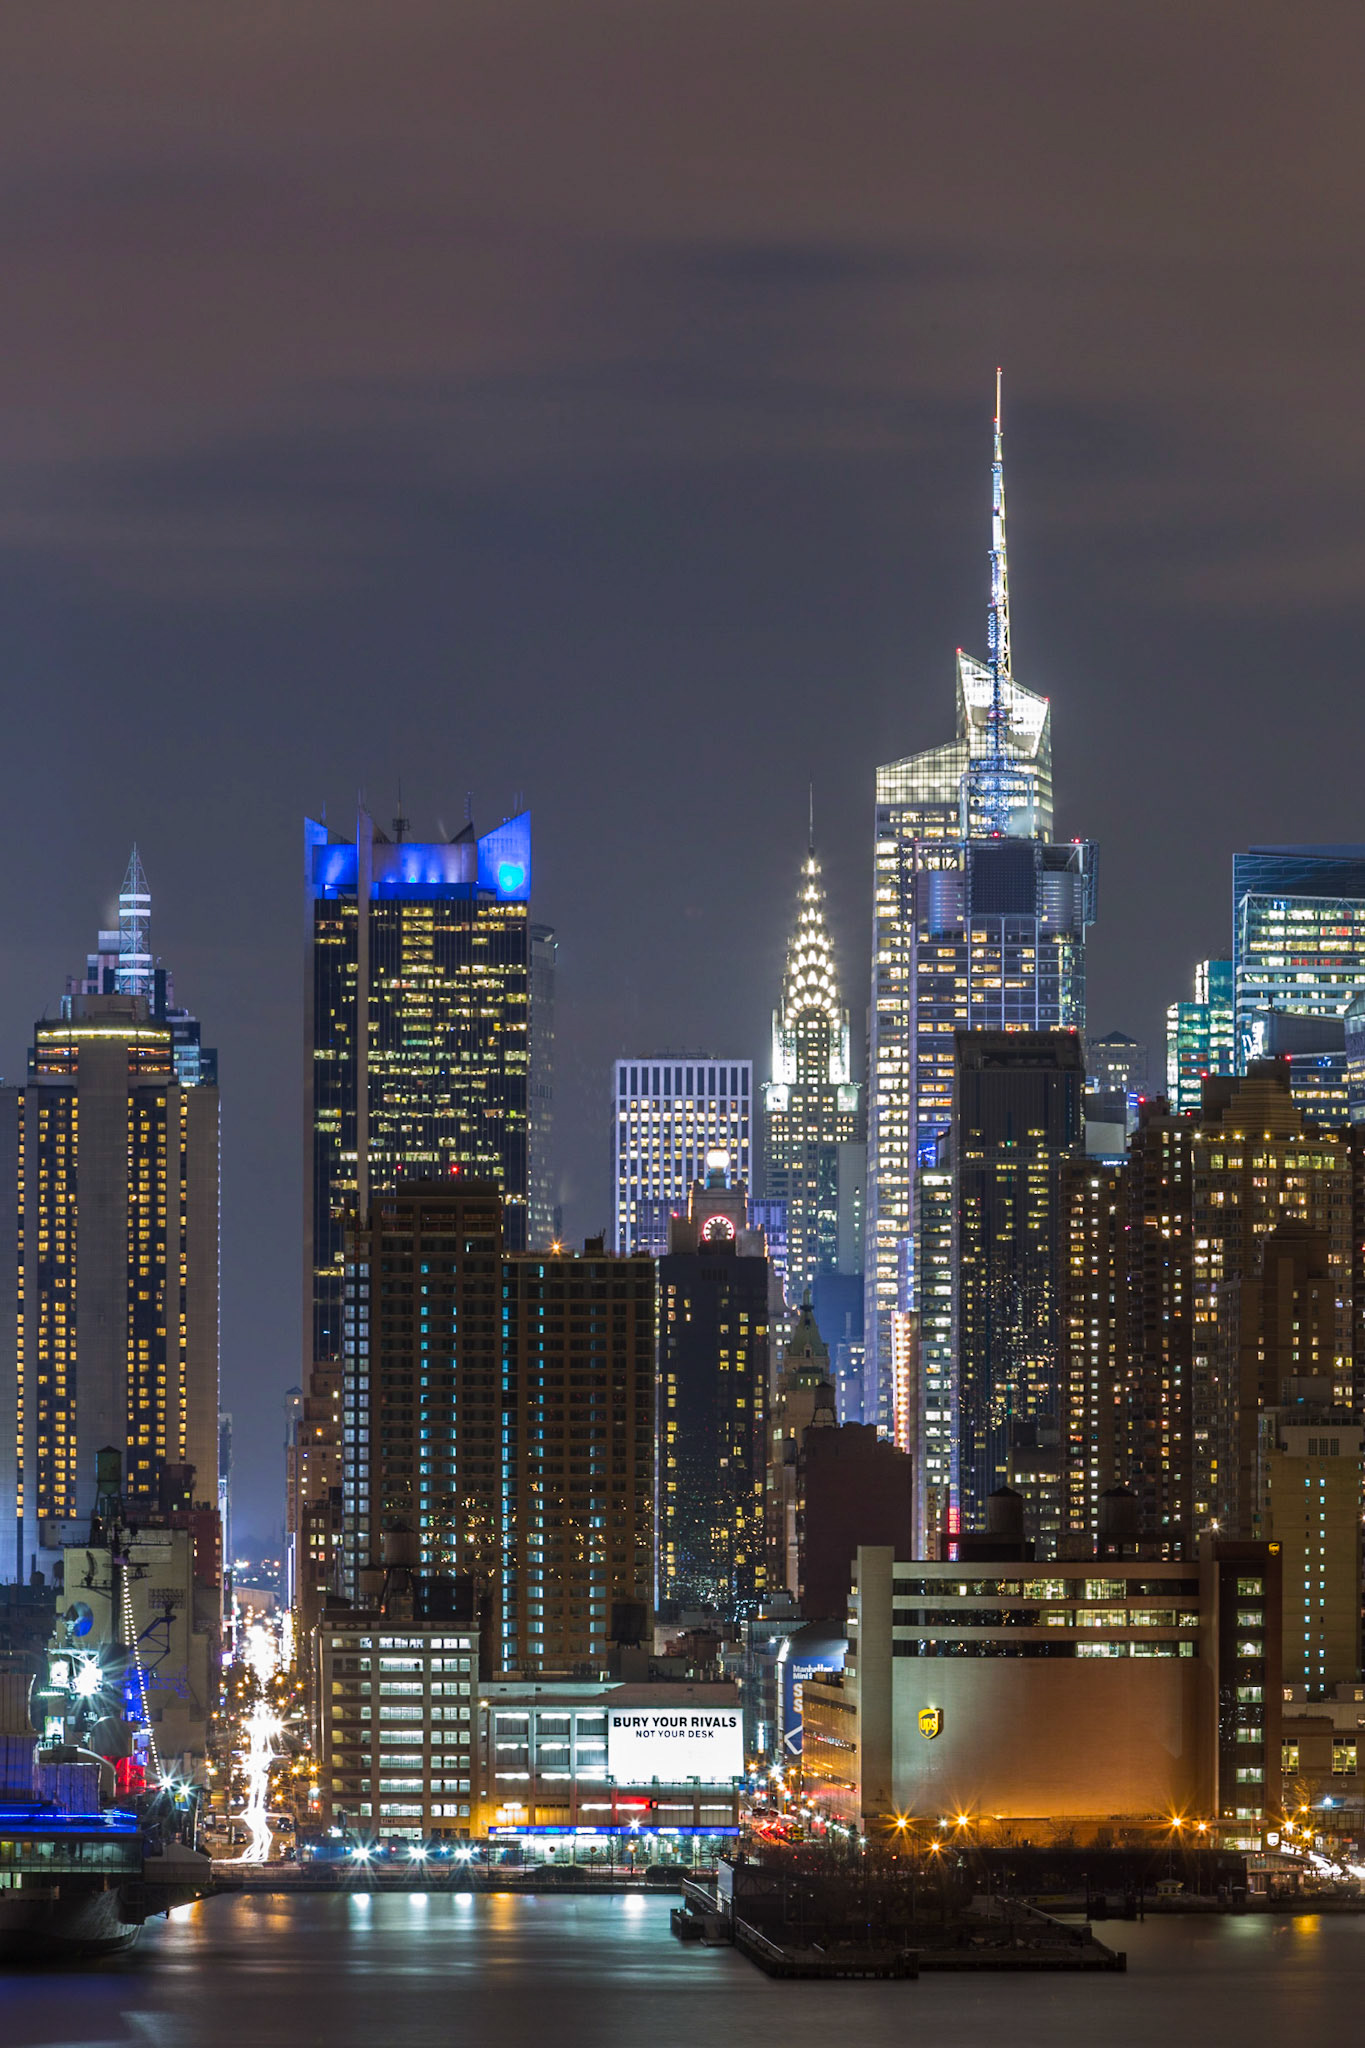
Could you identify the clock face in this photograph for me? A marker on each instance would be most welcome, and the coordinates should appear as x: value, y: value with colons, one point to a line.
x: 717, y: 1230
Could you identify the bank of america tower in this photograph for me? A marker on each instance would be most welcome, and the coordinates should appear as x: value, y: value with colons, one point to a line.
x: 979, y: 924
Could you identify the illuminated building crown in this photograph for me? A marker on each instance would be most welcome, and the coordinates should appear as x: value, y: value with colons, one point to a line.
x: 810, y: 990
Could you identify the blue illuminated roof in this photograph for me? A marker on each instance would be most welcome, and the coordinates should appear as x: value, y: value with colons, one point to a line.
x: 497, y: 865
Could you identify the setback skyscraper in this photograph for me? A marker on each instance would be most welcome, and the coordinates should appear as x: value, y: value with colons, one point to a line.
x: 812, y: 1156
x: 109, y: 1210
x: 418, y: 1032
x: 979, y: 923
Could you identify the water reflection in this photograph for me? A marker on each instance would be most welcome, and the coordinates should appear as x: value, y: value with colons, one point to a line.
x: 443, y: 1969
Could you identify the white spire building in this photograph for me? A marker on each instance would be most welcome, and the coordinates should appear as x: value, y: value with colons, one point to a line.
x: 979, y: 923
x: 812, y: 1105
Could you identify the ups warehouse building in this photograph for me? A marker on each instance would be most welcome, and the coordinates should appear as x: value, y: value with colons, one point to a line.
x: 1051, y: 1699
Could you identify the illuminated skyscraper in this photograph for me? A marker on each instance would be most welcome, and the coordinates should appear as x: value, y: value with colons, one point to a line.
x: 979, y: 923
x: 429, y: 944
x: 670, y: 1113
x: 1298, y: 936
x: 713, y: 1391
x: 812, y: 1103
x: 500, y: 1407
x: 109, y: 1210
x: 1017, y: 1122
x: 541, y: 1227
x: 1200, y: 1039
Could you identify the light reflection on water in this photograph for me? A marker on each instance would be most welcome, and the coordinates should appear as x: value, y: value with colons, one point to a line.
x: 429, y: 1970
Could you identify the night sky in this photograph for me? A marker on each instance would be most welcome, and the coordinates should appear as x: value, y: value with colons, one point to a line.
x: 590, y: 404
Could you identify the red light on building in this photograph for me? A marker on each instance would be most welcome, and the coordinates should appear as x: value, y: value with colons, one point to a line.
x: 130, y: 1774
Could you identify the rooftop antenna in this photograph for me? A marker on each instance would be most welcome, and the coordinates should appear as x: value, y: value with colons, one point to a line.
x: 400, y: 823
x: 133, y: 975
x: 994, y: 777
x: 810, y: 836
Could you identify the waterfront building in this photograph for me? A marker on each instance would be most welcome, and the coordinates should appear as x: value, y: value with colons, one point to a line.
x: 1298, y: 936
x: 979, y: 924
x: 501, y: 1405
x: 713, y: 1395
x: 1017, y: 1120
x: 1321, y: 1759
x: 139, y: 1607
x: 428, y: 946
x: 416, y: 1742
x: 628, y: 1770
x: 109, y: 1213
x: 812, y: 1104
x: 673, y: 1113
x: 1201, y: 1036
x: 394, y: 1721
x: 1055, y: 1701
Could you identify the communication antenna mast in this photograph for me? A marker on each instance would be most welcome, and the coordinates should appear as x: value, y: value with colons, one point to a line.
x: 994, y: 778
x: 133, y: 975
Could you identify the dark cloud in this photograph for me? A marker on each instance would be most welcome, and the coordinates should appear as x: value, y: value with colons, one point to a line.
x: 590, y: 402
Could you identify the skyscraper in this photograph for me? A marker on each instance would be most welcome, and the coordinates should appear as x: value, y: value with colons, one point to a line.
x: 713, y: 1389
x: 812, y: 1103
x: 1200, y: 1036
x: 1298, y: 916
x: 1017, y: 1121
x: 500, y: 1406
x: 109, y: 1210
x: 430, y: 945
x: 671, y: 1112
x: 1116, y: 1065
x: 541, y: 1204
x: 979, y: 923
x: 1209, y: 1278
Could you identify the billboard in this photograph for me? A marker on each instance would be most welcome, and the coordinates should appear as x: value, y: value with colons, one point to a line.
x: 808, y: 1654
x: 675, y: 1744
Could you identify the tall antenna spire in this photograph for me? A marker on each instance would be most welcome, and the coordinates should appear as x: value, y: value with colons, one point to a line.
x: 133, y: 975
x: 810, y: 838
x: 999, y: 629
x: 994, y: 778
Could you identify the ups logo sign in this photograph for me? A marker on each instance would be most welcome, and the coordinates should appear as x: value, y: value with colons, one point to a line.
x: 930, y: 1722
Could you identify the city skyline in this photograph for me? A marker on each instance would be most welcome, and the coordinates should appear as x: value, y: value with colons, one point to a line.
x: 596, y: 461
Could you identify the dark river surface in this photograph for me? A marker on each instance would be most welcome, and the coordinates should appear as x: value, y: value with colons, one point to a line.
x: 523, y: 1972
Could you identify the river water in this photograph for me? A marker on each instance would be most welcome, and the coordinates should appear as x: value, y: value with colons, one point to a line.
x: 428, y: 1971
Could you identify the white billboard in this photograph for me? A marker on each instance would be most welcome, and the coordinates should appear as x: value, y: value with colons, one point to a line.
x: 675, y: 1744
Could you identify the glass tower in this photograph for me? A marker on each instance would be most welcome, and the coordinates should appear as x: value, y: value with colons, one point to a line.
x: 430, y: 945
x: 811, y: 1105
x: 979, y: 924
x: 1298, y: 936
x: 1200, y: 1038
